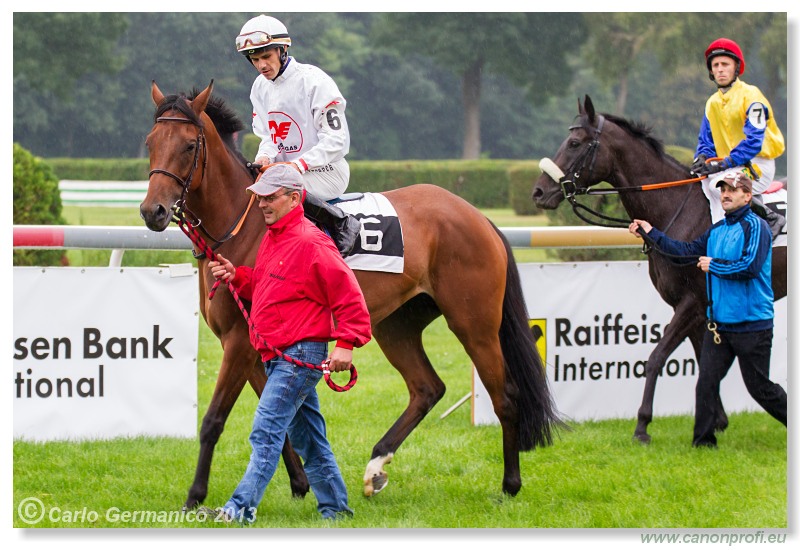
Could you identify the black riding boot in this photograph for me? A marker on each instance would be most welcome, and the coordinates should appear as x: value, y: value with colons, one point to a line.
x: 775, y: 220
x: 343, y: 228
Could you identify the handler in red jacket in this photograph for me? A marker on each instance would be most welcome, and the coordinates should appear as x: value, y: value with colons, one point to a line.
x: 303, y: 296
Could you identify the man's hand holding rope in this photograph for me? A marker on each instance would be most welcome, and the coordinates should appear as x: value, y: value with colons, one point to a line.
x: 703, y: 262
x: 339, y: 360
x: 636, y: 224
x: 223, y: 269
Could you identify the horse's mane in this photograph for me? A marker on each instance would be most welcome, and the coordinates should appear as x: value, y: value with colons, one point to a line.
x: 640, y: 131
x: 644, y: 133
x: 225, y: 120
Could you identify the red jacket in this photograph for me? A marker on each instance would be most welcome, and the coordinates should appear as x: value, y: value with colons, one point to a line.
x: 298, y: 286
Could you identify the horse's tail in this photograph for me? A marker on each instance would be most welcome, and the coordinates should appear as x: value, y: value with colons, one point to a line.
x: 538, y: 417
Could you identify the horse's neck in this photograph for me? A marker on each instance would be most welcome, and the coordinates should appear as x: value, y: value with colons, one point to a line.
x: 684, y: 208
x: 221, y: 199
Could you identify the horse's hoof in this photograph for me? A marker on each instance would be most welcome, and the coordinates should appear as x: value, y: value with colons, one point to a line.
x: 512, y: 488
x: 191, y: 504
x: 376, y: 478
x: 642, y: 438
x: 375, y: 485
x: 300, y: 491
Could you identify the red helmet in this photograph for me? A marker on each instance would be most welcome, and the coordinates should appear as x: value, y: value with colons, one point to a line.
x: 727, y: 47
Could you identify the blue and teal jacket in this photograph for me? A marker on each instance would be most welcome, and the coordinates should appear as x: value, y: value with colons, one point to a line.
x: 739, y: 280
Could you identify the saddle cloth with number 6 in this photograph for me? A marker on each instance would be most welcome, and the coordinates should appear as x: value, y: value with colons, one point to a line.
x: 380, y: 246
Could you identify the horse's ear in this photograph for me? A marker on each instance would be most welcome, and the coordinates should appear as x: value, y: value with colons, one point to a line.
x: 580, y: 107
x: 589, y: 108
x: 158, y: 97
x: 200, y: 102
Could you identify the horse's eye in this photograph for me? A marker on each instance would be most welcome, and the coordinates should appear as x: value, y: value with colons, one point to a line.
x: 574, y: 144
x: 190, y: 147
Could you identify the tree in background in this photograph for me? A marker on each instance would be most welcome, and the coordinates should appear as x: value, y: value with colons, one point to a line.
x: 654, y: 64
x: 53, y: 53
x: 615, y: 44
x: 528, y: 48
x: 519, y: 75
x: 41, y: 59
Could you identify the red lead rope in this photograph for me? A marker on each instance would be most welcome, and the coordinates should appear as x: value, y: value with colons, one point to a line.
x: 200, y: 243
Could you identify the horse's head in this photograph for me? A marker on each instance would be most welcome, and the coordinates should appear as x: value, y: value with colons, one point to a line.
x: 580, y: 161
x: 177, y: 154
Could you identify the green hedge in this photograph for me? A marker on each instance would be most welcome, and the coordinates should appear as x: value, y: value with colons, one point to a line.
x: 36, y: 202
x: 484, y: 183
x: 100, y: 169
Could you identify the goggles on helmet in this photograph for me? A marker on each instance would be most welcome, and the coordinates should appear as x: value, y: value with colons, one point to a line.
x: 257, y: 39
x: 260, y: 39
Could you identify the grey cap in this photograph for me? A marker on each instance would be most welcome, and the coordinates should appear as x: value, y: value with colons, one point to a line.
x: 276, y: 177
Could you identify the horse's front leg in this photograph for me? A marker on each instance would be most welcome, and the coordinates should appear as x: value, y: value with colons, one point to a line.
x: 685, y: 321
x: 237, y: 360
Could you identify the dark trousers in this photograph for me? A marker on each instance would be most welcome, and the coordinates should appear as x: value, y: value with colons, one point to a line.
x: 753, y: 350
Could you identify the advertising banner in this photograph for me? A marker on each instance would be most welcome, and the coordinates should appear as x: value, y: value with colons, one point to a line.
x: 105, y: 352
x: 597, y: 323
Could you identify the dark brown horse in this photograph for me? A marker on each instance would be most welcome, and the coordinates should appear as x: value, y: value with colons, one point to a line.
x: 457, y: 264
x: 605, y: 148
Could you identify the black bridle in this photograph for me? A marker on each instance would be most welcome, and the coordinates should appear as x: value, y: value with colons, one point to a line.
x: 184, y: 183
x: 181, y: 212
x: 569, y: 186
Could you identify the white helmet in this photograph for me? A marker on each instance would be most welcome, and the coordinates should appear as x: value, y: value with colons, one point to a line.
x: 262, y: 32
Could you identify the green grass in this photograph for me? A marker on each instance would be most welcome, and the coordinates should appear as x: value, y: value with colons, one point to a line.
x: 448, y: 472
x: 446, y: 475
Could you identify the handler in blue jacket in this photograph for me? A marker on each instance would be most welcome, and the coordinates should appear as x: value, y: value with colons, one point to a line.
x: 736, y: 255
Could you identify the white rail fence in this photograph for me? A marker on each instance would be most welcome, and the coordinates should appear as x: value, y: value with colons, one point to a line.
x: 121, y: 238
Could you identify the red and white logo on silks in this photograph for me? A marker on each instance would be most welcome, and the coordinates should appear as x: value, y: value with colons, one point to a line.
x: 285, y: 133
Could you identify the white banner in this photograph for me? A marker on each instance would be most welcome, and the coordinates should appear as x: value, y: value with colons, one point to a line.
x: 105, y: 352
x: 599, y: 323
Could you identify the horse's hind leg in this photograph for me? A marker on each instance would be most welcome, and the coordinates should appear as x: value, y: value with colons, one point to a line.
x: 477, y: 330
x: 400, y: 338
x: 487, y: 356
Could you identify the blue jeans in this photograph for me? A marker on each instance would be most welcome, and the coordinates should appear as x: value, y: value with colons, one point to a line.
x: 289, y: 404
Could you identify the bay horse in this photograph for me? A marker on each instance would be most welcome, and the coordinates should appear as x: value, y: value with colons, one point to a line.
x: 457, y: 264
x: 606, y: 148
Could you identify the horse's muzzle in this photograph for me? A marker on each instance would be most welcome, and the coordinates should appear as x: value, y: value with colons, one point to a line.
x: 547, y: 196
x: 156, y: 217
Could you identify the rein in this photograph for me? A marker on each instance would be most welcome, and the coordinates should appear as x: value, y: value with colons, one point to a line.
x: 570, y: 188
x: 197, y: 240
